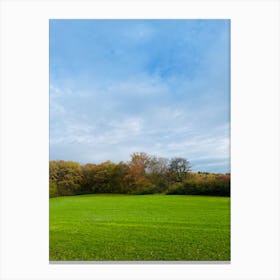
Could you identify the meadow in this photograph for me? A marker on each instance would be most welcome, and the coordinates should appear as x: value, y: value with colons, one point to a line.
x: 155, y: 227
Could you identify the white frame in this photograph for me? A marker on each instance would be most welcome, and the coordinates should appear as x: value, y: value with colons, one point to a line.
x: 254, y: 137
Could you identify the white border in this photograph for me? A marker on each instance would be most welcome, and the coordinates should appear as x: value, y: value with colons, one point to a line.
x: 254, y: 137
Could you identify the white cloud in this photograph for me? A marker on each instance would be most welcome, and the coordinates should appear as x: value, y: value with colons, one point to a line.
x: 98, y: 129
x: 143, y: 88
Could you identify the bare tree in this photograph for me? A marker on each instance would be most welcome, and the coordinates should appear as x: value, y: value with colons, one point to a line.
x: 179, y: 169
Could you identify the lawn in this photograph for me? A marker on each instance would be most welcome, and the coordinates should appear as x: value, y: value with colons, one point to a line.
x: 139, y: 228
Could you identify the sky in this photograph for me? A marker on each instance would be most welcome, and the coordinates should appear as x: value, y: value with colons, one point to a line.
x: 155, y: 86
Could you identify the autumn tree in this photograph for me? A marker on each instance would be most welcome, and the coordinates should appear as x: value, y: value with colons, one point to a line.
x: 66, y: 176
x: 138, y: 178
x: 143, y: 174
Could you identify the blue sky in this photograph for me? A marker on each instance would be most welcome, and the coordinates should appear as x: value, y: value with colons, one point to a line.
x: 155, y: 86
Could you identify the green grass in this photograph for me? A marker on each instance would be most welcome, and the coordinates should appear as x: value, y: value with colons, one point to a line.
x: 139, y: 228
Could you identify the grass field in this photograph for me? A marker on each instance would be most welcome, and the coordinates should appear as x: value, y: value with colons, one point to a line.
x: 139, y: 228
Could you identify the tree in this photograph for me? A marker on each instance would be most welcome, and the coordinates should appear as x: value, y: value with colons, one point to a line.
x: 66, y: 175
x: 157, y: 171
x: 89, y: 171
x: 139, y: 162
x: 100, y: 178
x: 179, y: 169
x: 139, y: 181
x: 121, y: 178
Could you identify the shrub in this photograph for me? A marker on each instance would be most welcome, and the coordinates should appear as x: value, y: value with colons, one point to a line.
x: 176, y: 188
x: 212, y: 184
x: 148, y: 189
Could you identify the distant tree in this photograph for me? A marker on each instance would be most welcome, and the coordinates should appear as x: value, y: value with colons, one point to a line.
x: 179, y: 169
x: 157, y: 165
x: 139, y: 181
x: 121, y: 178
x: 143, y: 174
x: 157, y: 171
x: 102, y: 178
x: 89, y: 171
x: 139, y: 162
x: 67, y: 176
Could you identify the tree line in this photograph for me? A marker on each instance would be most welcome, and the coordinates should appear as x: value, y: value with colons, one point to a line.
x: 143, y: 174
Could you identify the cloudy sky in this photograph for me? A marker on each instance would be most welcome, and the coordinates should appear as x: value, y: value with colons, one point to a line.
x: 155, y: 86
